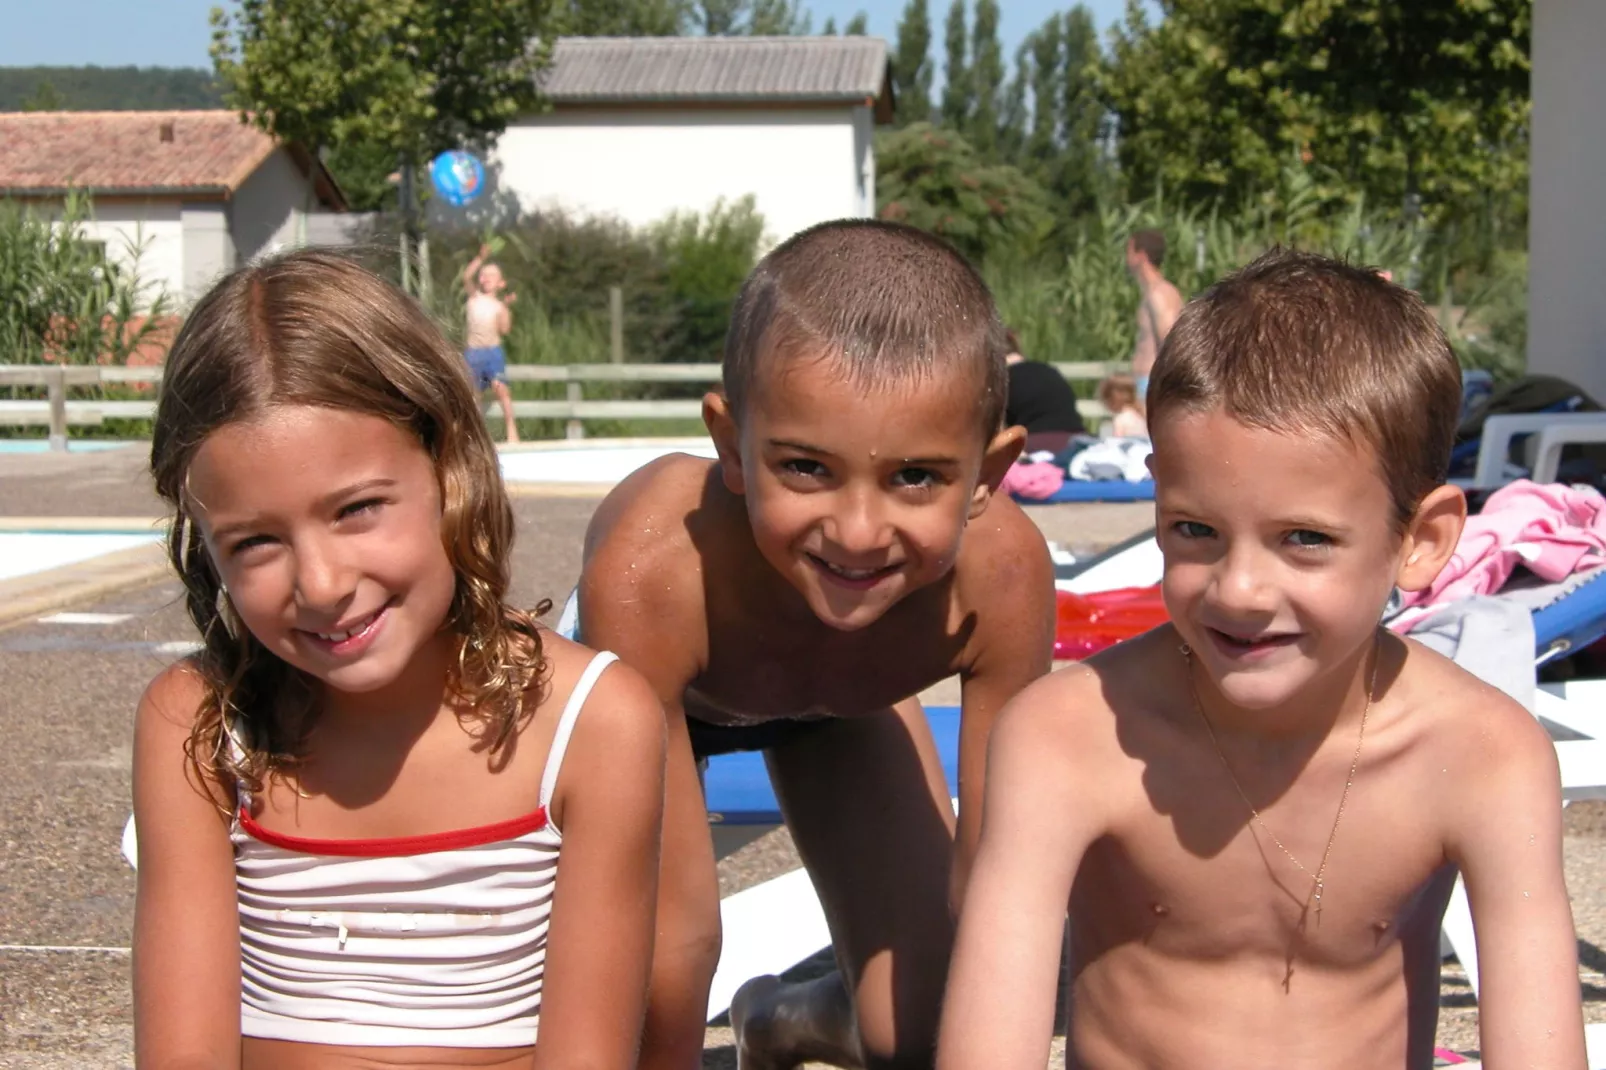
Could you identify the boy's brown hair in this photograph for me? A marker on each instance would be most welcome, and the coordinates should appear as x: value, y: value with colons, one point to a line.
x: 1303, y: 344
x: 892, y: 304
x: 1151, y: 243
x: 313, y: 328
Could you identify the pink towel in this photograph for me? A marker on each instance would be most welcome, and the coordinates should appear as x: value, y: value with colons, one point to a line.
x: 1552, y: 529
x: 1037, y: 481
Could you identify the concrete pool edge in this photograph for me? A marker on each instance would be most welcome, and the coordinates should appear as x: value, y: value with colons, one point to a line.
x: 36, y: 594
x: 111, y: 525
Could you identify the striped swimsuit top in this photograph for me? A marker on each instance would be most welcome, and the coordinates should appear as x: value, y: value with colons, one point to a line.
x: 436, y: 940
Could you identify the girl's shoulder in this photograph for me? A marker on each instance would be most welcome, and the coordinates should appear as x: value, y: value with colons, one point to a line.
x: 602, y: 700
x: 165, y: 723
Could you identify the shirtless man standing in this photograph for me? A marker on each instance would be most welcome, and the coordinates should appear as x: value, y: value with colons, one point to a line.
x: 1160, y: 305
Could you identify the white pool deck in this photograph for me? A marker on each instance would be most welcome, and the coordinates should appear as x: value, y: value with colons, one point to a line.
x: 23, y: 553
x: 582, y: 462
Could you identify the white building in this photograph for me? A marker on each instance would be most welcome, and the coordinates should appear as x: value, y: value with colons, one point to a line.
x: 641, y: 127
x: 1567, y: 194
x: 197, y: 192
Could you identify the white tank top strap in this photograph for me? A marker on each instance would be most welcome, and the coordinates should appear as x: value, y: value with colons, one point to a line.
x: 571, y: 713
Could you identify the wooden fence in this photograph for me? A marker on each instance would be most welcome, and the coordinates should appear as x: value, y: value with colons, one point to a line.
x: 58, y: 411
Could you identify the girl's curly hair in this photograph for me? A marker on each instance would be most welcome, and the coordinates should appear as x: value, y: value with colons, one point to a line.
x: 313, y: 328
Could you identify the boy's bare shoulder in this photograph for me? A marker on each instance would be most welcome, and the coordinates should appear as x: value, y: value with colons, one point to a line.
x: 1469, y: 727
x: 640, y: 534
x: 1004, y: 559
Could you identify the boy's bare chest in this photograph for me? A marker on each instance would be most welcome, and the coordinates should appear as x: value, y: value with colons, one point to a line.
x: 759, y: 673
x: 1208, y: 881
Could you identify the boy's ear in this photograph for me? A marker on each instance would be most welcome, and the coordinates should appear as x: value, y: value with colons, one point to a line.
x: 1002, y: 452
x: 1431, y: 538
x: 727, y: 438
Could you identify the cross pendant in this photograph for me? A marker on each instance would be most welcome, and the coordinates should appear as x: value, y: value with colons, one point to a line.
x: 1319, y: 886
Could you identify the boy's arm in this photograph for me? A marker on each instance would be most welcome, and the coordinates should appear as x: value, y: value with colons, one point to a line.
x: 1505, y: 834
x: 1015, y: 602
x: 471, y: 273
x: 186, y: 911
x: 599, y: 952
x: 1040, y: 815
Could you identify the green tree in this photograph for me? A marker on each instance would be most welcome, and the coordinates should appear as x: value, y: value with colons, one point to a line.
x: 934, y: 179
x: 623, y: 18
x: 45, y: 97
x: 956, y: 91
x: 829, y: 29
x: 724, y: 18
x: 1397, y: 102
x: 414, y: 76
x: 858, y: 25
x: 986, y: 78
x: 911, y: 64
x: 1079, y: 176
x: 1013, y: 118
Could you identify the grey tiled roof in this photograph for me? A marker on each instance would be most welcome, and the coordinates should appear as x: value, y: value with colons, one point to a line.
x: 632, y: 69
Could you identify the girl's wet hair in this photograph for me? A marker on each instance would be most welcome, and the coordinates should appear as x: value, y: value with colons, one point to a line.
x: 313, y: 328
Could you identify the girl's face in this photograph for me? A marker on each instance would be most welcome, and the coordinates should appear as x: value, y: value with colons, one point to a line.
x: 325, y: 526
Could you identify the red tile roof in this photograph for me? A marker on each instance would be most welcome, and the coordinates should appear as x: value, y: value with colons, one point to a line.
x: 195, y: 153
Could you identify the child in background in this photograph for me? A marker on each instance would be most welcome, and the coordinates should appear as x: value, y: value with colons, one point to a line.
x: 349, y: 802
x: 1255, y: 814
x: 488, y: 318
x: 1119, y: 394
x: 844, y: 552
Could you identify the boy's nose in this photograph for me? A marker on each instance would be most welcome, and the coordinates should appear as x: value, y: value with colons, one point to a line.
x: 1242, y: 584
x: 857, y: 525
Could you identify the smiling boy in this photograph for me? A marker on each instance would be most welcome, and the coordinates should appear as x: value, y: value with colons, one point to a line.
x: 1255, y: 814
x: 843, y: 553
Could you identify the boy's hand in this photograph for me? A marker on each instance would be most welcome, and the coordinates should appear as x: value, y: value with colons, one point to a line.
x: 508, y: 297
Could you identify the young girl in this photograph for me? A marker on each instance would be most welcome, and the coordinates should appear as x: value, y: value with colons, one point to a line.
x: 349, y: 802
x: 1119, y: 394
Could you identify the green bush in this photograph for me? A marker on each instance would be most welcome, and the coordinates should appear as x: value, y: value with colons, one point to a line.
x: 62, y: 297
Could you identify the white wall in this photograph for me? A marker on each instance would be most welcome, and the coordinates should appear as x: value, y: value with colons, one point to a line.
x: 155, y: 228
x: 802, y: 166
x: 1567, y: 194
x: 264, y: 215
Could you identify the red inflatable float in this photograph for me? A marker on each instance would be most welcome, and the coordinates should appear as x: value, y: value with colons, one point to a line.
x: 1087, y: 623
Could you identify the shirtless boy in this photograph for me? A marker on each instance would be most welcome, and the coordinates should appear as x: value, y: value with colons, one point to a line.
x: 489, y: 317
x: 1255, y: 814
x: 1159, y: 302
x: 794, y: 595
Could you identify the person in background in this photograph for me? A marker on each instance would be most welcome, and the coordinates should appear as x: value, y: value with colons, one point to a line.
x: 488, y: 318
x: 1159, y: 307
x: 1040, y: 400
x: 1119, y: 394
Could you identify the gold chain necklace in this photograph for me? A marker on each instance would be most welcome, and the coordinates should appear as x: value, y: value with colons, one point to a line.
x: 1319, y: 878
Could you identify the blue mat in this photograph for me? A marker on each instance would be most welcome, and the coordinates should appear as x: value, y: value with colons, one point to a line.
x: 737, y: 786
x: 1096, y: 490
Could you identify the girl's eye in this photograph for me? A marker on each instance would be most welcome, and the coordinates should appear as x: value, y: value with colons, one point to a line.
x: 251, y: 542
x: 1192, y: 529
x: 803, y: 466
x: 1307, y: 538
x: 922, y: 478
x: 367, y: 505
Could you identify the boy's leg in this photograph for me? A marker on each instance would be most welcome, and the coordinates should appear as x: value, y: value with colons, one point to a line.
x: 869, y: 809
x: 505, y: 396
x: 686, y: 949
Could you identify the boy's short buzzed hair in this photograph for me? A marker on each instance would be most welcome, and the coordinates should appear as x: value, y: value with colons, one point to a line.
x: 1151, y: 243
x: 894, y: 304
x: 1303, y: 344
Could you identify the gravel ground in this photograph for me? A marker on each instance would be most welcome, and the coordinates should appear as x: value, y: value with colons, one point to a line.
x: 67, y: 693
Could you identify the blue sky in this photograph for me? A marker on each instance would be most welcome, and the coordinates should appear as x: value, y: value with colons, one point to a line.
x: 174, y: 33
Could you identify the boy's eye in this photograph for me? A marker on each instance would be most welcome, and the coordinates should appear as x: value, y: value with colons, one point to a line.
x: 804, y: 466
x: 1306, y: 537
x: 1192, y: 529
x: 923, y: 478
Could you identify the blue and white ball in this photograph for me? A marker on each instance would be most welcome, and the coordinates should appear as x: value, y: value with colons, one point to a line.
x: 458, y: 177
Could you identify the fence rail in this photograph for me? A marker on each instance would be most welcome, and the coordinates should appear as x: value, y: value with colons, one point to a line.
x: 58, y: 412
